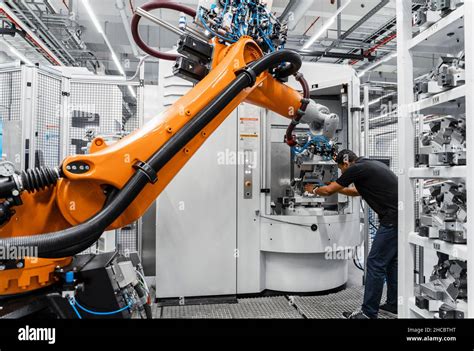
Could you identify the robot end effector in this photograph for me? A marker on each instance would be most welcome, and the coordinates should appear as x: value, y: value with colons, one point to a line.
x: 320, y: 120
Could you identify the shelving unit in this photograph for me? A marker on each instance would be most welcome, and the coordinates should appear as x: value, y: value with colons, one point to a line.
x: 437, y: 32
x: 438, y: 99
x: 444, y: 37
x: 437, y: 172
x: 456, y: 251
x: 420, y: 313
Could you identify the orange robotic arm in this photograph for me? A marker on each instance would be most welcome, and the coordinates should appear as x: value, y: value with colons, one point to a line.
x: 114, y: 165
x: 115, y: 184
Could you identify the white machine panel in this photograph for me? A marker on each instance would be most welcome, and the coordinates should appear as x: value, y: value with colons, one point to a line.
x: 333, y: 233
x: 250, y: 269
x: 196, y: 224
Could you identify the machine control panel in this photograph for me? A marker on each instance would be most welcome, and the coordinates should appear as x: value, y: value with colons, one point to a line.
x: 248, y: 174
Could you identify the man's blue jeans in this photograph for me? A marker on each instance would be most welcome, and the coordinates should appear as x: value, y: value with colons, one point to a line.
x: 382, y: 263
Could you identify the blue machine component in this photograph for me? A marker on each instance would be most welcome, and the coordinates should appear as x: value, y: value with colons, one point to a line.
x: 182, y: 22
x: 317, y: 145
x: 69, y: 278
x: 229, y: 20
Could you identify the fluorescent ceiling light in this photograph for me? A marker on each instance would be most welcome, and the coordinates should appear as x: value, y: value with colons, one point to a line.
x: 373, y: 102
x: 117, y: 63
x: 17, y: 53
x: 376, y: 64
x: 96, y: 22
x: 132, y: 91
x: 382, y: 82
x: 92, y: 15
x: 392, y: 114
x: 115, y: 58
x: 325, y: 27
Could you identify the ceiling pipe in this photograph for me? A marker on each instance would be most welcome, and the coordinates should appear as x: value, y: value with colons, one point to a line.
x: 338, y: 55
x: 311, y: 25
x: 358, y: 24
x: 34, y: 28
x: 377, y: 46
x: 325, y: 27
x: 295, y: 11
x: 375, y: 64
x: 30, y: 37
x: 48, y: 33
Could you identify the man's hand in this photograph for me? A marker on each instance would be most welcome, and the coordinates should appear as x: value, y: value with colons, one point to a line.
x: 329, y: 190
x: 309, y: 188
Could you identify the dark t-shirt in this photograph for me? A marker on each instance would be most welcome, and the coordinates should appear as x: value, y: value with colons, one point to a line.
x: 377, y: 185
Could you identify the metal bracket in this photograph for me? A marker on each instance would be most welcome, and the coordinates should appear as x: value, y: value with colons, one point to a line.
x: 147, y: 170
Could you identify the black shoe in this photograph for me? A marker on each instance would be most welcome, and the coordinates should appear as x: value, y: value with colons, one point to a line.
x: 389, y: 308
x: 355, y: 315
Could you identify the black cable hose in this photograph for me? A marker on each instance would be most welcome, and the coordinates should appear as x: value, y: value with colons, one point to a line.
x: 357, y: 265
x: 38, y: 179
x: 71, y: 241
x: 146, y: 307
x: 79, y: 247
x: 148, y: 311
x: 76, y: 248
x: 289, y: 137
x: 157, y: 161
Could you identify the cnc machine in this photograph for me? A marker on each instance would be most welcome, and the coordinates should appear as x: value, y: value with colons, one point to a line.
x: 258, y: 231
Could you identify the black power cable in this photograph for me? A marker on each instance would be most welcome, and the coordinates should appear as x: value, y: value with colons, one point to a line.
x: 74, y: 240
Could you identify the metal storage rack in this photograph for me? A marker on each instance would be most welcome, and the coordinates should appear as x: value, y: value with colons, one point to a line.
x: 443, y: 37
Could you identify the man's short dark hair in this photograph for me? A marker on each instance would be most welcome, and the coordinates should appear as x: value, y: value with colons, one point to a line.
x: 346, y: 155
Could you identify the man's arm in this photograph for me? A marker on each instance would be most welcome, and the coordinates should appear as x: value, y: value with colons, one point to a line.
x: 328, y: 190
x: 350, y: 192
x: 331, y: 189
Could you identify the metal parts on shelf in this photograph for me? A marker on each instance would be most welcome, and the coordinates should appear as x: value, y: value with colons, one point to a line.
x: 443, y: 213
x: 444, y: 6
x: 443, y: 141
x: 446, y: 290
x: 432, y: 11
x: 449, y: 73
